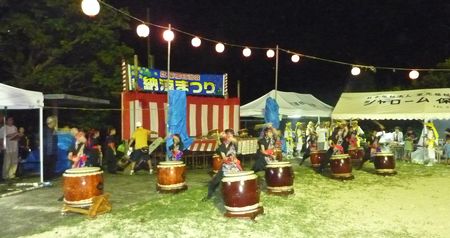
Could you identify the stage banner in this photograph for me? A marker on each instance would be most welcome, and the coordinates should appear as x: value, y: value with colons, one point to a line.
x: 154, y: 80
x: 419, y: 104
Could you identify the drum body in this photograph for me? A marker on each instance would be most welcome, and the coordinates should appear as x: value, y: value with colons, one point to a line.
x: 356, y: 155
x: 384, y: 163
x: 316, y: 157
x: 279, y: 178
x: 216, y: 163
x: 241, y: 194
x: 80, y: 185
x: 171, y: 176
x: 341, y: 166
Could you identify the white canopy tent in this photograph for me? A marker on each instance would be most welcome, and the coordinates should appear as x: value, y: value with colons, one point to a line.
x: 292, y: 105
x: 16, y: 98
x: 421, y: 104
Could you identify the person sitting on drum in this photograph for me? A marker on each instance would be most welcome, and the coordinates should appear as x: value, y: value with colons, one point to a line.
x: 227, y: 151
x: 265, y: 152
x: 176, y: 148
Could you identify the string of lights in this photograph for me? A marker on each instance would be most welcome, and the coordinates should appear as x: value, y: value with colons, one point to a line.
x: 92, y: 8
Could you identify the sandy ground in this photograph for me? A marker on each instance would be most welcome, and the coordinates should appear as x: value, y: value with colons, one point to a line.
x: 413, y: 203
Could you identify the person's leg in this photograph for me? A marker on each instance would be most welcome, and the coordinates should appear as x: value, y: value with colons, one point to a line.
x: 366, y: 157
x: 214, y: 183
x: 260, y: 164
x: 325, y: 161
x: 6, y: 165
x: 305, y: 155
x: 13, y: 165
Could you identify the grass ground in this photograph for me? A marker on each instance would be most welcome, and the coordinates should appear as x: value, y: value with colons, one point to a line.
x: 413, y: 203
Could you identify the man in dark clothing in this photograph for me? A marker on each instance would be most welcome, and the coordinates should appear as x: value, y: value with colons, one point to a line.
x: 50, y: 148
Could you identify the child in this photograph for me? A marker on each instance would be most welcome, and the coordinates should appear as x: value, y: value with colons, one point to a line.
x: 176, y: 148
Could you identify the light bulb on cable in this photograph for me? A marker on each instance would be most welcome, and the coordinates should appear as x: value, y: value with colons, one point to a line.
x: 246, y: 52
x: 295, y: 58
x: 414, y: 74
x: 220, y: 47
x: 168, y: 35
x: 142, y: 30
x: 270, y: 53
x: 90, y: 7
x: 196, y: 42
x: 355, y: 71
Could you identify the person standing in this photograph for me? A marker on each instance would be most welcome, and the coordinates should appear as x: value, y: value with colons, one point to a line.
x: 50, y: 147
x: 110, y: 151
x: 11, y: 157
x: 140, y: 138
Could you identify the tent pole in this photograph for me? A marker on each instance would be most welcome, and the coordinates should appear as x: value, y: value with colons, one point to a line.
x: 41, y: 143
x: 276, y: 72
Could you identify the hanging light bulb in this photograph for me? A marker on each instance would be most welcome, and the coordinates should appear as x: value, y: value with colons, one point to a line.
x: 295, y: 58
x: 220, y: 47
x: 196, y: 42
x: 246, y: 52
x: 142, y: 30
x: 355, y: 71
x: 168, y: 35
x: 90, y: 7
x: 270, y: 53
x: 414, y: 74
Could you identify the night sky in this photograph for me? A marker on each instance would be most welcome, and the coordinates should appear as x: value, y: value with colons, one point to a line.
x: 411, y: 34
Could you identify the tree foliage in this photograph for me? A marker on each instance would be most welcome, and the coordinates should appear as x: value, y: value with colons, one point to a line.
x: 51, y: 46
x: 435, y: 79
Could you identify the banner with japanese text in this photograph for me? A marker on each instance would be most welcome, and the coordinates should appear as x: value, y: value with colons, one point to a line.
x: 154, y: 80
x: 421, y: 104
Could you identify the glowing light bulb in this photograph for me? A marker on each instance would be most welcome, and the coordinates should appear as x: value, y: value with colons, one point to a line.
x: 196, y: 42
x: 414, y: 74
x: 90, y: 7
x: 246, y: 52
x: 355, y: 71
x: 142, y: 30
x: 220, y: 47
x: 168, y: 35
x: 270, y: 53
x: 295, y: 58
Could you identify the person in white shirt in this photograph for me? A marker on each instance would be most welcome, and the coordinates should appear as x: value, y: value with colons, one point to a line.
x: 11, y: 158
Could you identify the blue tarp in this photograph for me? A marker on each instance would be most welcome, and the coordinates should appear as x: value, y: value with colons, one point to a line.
x: 271, y: 113
x: 177, y: 118
x: 65, y: 141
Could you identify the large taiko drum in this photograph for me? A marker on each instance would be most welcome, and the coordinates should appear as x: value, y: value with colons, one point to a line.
x: 171, y: 176
x: 241, y: 194
x: 279, y: 178
x: 80, y: 185
x: 341, y: 166
x: 384, y: 163
x: 216, y: 163
x: 356, y: 155
x: 316, y: 157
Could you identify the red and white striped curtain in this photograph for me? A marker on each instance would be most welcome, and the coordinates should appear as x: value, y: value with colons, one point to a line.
x: 203, y: 113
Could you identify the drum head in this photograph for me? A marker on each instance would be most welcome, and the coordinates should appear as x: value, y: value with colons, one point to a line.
x: 170, y: 163
x: 384, y: 154
x: 238, y: 173
x: 83, y: 170
x: 276, y: 164
x: 340, y: 156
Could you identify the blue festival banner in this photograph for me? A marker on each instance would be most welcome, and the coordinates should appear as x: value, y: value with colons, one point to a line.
x: 154, y: 80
